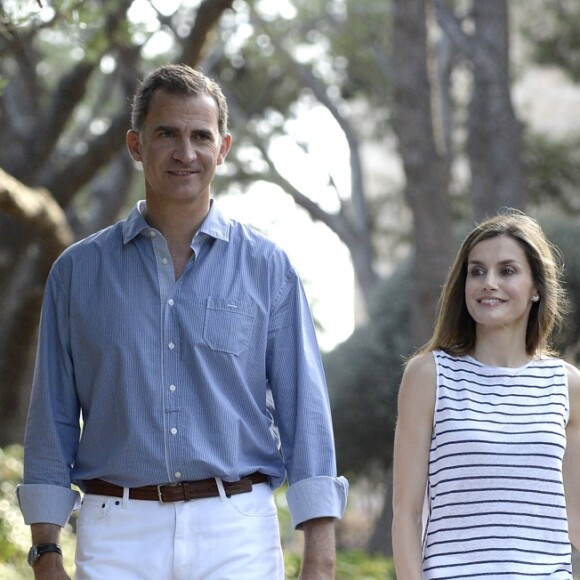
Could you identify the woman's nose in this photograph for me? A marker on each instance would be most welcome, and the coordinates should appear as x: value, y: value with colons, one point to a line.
x: 490, y: 282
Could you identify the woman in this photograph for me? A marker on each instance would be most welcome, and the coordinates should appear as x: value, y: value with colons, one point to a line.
x: 486, y: 412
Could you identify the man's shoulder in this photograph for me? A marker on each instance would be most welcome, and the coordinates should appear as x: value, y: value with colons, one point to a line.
x: 103, y: 240
x: 252, y: 237
x: 248, y: 231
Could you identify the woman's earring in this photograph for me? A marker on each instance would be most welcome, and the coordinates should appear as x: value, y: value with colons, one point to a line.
x: 535, y: 298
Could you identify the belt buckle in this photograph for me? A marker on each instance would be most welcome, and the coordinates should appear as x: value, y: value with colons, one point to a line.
x: 159, y: 492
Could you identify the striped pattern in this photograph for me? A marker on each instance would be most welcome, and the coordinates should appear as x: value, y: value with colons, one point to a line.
x: 496, y: 496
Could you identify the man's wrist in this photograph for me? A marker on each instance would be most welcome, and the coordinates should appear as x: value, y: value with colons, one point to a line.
x: 38, y: 551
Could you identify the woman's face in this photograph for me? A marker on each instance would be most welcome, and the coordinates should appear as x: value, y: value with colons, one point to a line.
x: 499, y: 286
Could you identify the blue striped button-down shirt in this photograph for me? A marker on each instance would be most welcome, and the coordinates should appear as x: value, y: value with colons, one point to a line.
x: 215, y: 374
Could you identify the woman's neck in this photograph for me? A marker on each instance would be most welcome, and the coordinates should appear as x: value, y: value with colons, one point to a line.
x: 501, y: 349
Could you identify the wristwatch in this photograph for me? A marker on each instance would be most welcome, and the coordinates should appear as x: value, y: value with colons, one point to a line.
x: 36, y: 551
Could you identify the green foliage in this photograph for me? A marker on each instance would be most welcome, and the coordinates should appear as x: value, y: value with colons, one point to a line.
x: 553, y: 171
x: 565, y: 235
x: 361, y: 41
x: 350, y: 565
x: 364, y: 374
x: 553, y: 29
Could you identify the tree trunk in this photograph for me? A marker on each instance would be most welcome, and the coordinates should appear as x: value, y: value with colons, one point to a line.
x: 426, y: 190
x: 494, y: 134
x: 34, y: 232
x: 381, y: 539
x: 424, y: 160
x: 494, y: 144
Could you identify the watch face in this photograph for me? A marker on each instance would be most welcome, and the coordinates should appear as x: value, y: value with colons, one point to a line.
x: 36, y: 551
x: 32, y: 556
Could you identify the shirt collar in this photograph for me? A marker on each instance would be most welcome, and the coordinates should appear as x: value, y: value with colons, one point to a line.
x: 215, y: 224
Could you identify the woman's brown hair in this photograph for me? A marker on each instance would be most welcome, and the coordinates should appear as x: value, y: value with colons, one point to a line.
x: 455, y: 328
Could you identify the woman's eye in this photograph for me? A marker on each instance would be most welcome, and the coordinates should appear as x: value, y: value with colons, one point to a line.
x: 477, y: 271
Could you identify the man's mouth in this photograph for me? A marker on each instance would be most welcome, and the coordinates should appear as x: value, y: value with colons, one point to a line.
x: 181, y: 172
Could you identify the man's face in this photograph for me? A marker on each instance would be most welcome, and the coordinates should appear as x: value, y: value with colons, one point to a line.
x: 179, y: 148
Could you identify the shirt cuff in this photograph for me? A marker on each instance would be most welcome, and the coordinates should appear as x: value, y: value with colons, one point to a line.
x: 317, y: 497
x: 47, y: 504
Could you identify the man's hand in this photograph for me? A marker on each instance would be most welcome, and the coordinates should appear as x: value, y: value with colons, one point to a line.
x: 50, y: 567
x: 319, y: 559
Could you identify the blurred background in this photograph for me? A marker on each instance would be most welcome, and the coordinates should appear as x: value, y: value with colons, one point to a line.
x: 369, y: 135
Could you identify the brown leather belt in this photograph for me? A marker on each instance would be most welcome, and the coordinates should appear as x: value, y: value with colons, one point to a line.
x: 183, y: 491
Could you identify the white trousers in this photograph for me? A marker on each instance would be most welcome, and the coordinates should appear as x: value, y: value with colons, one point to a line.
x: 222, y: 538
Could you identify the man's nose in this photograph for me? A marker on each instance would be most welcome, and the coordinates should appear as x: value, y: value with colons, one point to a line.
x: 185, y: 151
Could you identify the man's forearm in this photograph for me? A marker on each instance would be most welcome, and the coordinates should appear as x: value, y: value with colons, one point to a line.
x: 45, y: 533
x: 319, y: 560
x: 49, y: 566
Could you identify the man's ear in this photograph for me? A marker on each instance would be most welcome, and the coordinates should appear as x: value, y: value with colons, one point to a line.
x: 134, y: 144
x: 224, y: 148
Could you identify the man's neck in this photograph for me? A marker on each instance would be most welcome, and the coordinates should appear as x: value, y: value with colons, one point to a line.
x: 177, y: 222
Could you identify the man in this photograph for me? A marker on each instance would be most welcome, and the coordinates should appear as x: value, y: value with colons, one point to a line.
x: 185, y: 343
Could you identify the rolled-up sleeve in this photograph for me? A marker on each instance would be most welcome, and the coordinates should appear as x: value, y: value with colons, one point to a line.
x: 317, y: 497
x: 302, y: 407
x: 47, y: 504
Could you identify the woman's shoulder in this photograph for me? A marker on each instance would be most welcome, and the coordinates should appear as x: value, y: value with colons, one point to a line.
x: 421, y: 366
x: 418, y: 387
x: 573, y: 375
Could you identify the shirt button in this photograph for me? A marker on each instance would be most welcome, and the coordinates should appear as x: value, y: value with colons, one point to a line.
x: 170, y: 302
x: 172, y: 388
x: 174, y: 431
x: 152, y: 233
x: 164, y: 260
x: 171, y: 345
x: 178, y: 474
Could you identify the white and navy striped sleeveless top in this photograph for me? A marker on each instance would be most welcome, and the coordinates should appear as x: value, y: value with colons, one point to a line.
x: 495, y: 491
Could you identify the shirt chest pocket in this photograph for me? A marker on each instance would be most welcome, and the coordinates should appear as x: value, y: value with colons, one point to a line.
x: 228, y: 324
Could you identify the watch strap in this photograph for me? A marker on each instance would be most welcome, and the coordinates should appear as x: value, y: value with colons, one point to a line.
x: 39, y: 549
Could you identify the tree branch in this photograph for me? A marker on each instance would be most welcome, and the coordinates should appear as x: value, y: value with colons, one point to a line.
x: 208, y: 15
x: 39, y: 211
x: 469, y: 47
x: 68, y: 175
x: 80, y: 169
